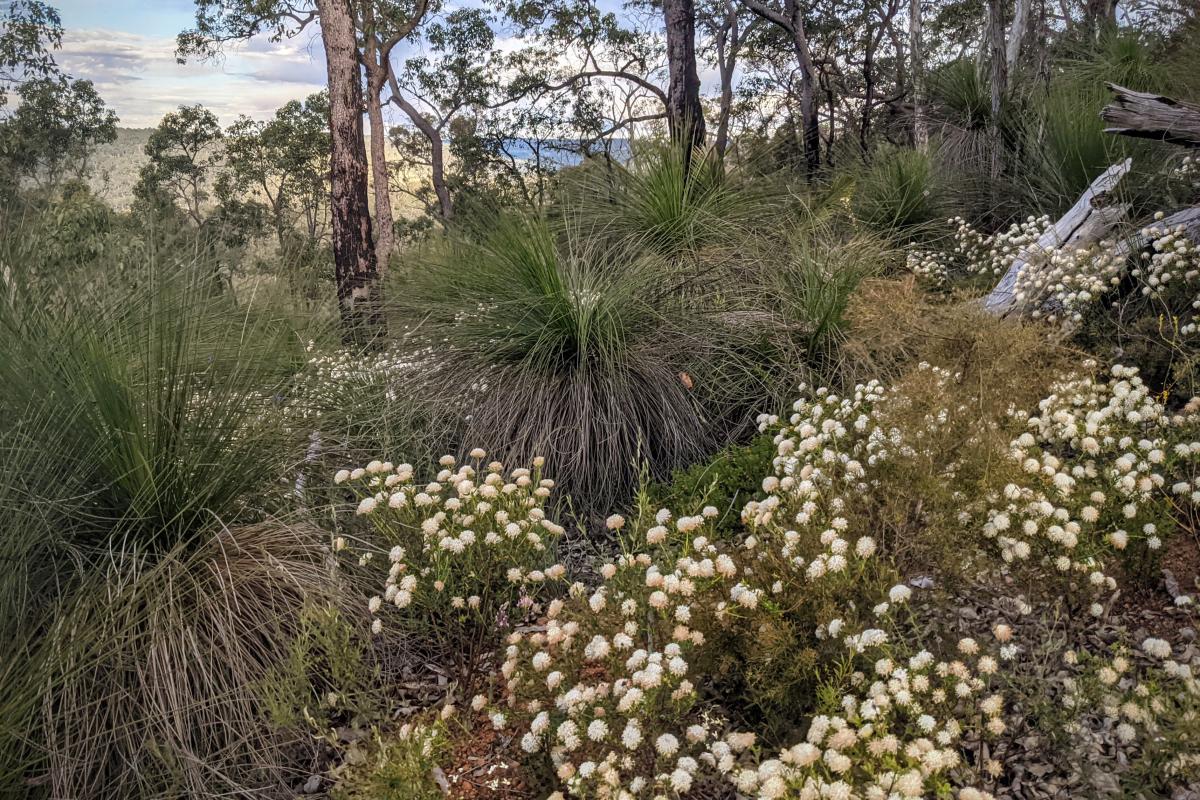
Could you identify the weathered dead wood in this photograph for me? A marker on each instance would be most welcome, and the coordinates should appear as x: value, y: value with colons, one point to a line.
x: 1087, y: 222
x: 1188, y: 220
x: 1144, y: 115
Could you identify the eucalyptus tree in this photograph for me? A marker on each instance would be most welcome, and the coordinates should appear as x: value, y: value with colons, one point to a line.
x: 452, y: 77
x: 184, y: 153
x: 685, y: 115
x: 789, y: 16
x: 30, y: 32
x: 382, y: 25
x: 614, y: 68
x: 219, y: 22
x: 282, y: 162
x: 724, y: 26
x: 51, y: 135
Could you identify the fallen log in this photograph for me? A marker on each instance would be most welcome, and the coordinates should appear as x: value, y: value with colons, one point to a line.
x: 1188, y: 220
x: 1088, y: 221
x: 1144, y: 115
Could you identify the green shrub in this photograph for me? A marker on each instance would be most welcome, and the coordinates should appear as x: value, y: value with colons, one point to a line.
x: 813, y: 272
x: 901, y: 190
x: 398, y: 767
x: 961, y: 92
x: 593, y: 355
x: 137, y: 416
x: 726, y: 481
x: 467, y: 555
x: 659, y: 204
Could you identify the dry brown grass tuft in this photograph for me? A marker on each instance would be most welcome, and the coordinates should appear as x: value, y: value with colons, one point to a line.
x: 152, y: 688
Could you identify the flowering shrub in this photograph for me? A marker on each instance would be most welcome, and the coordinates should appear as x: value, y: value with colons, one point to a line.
x: 1061, y: 285
x: 609, y: 690
x: 803, y: 609
x: 1144, y: 701
x: 1106, y: 469
x: 398, y: 767
x: 973, y: 253
x: 329, y: 379
x: 468, y: 550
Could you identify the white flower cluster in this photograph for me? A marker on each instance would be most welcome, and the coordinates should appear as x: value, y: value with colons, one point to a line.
x: 608, y: 683
x: 1187, y: 170
x: 609, y: 687
x: 1146, y: 699
x: 1171, y: 260
x: 330, y: 377
x: 470, y: 543
x: 1058, y: 284
x: 928, y: 265
x: 975, y: 253
x: 897, y: 736
x: 614, y: 669
x: 1104, y: 462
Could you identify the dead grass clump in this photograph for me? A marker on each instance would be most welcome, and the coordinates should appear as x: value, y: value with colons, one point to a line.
x: 153, y: 684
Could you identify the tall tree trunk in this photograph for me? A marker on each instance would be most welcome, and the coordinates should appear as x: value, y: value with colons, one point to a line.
x: 999, y: 76
x: 831, y: 101
x: 864, y: 128
x: 1016, y: 34
x: 385, y: 228
x: 915, y: 54
x: 728, y: 42
x: 792, y: 21
x: 808, y: 90
x: 1099, y: 15
x: 355, y: 267
x: 725, y: 112
x: 685, y: 115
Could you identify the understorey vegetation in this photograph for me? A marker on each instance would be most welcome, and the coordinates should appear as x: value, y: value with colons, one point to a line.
x: 845, y: 449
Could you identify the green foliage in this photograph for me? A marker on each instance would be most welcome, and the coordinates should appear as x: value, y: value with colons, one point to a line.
x: 137, y: 432
x: 281, y: 163
x: 54, y: 131
x: 726, y: 481
x: 586, y: 352
x: 324, y: 669
x: 660, y: 204
x: 183, y: 157
x: 1065, y: 147
x: 901, y: 190
x: 162, y: 399
x: 961, y: 92
x: 399, y: 767
x: 1061, y: 144
x: 30, y: 30
x: 813, y: 269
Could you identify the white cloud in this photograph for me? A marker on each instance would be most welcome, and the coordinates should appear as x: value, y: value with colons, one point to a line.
x: 140, y: 79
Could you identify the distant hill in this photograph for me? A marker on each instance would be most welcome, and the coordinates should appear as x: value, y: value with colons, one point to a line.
x: 116, y: 166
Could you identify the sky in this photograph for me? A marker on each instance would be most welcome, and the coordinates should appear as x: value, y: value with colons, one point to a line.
x: 127, y: 48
